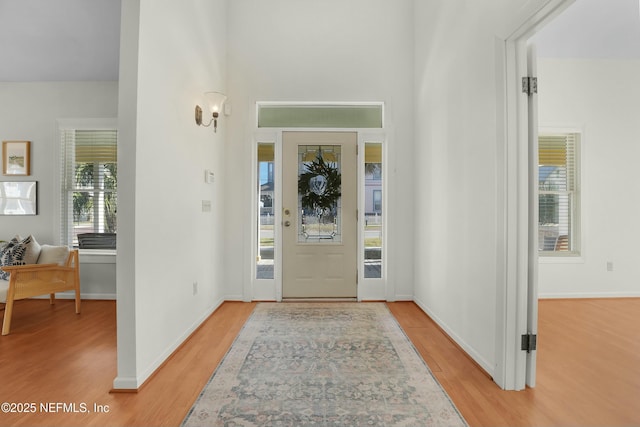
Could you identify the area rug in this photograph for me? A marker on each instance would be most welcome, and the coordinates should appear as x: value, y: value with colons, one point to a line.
x: 322, y: 364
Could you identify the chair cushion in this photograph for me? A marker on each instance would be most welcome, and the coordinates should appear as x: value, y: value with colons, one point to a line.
x: 53, y: 254
x: 33, y: 250
x: 12, y: 254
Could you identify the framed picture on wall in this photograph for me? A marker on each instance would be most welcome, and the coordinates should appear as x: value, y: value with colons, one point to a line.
x: 16, y: 158
x: 18, y: 198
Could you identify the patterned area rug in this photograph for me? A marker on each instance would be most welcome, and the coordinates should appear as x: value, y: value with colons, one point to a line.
x: 322, y: 364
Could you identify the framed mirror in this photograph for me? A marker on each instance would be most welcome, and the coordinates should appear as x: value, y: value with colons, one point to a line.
x: 18, y: 198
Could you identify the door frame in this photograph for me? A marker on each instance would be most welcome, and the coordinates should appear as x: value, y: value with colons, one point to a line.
x: 517, y: 297
x: 271, y: 289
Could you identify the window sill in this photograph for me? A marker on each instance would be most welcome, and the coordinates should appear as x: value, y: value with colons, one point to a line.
x: 561, y: 259
x: 97, y: 256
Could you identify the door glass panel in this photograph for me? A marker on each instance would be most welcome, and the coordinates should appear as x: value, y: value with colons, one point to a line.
x: 319, y: 191
x: 264, y: 267
x: 373, y: 211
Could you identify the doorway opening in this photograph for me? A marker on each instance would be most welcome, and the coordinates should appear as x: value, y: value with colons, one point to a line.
x: 308, y: 229
x: 580, y: 50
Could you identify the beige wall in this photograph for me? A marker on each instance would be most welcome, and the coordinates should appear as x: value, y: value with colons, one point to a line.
x: 330, y: 51
x: 171, y: 53
x: 28, y: 111
x: 599, y: 98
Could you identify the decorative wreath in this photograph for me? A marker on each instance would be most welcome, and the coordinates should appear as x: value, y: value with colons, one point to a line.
x: 319, y: 185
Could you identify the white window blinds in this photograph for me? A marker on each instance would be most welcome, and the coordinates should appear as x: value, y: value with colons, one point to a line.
x: 558, y: 193
x: 89, y: 184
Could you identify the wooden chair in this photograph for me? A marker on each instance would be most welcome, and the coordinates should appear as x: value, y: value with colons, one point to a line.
x: 32, y: 280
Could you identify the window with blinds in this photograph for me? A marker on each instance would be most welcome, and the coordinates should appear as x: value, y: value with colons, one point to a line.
x: 89, y: 188
x: 558, y: 194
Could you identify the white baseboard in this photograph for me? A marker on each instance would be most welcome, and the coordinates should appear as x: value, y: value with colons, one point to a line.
x: 125, y: 383
x: 569, y: 295
x: 484, y: 364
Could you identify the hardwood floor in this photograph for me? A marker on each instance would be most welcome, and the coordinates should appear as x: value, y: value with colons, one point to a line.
x: 55, y: 356
x: 588, y: 367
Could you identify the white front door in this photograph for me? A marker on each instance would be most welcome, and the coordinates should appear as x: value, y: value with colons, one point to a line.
x: 319, y: 215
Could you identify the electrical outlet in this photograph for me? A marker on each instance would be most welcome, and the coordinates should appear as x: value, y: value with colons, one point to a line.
x: 195, y: 288
x: 609, y: 265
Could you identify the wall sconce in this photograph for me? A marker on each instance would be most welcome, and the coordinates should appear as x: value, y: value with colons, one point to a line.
x: 213, y: 103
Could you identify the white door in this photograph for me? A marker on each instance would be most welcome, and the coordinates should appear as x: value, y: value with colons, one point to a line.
x: 319, y: 215
x: 532, y: 285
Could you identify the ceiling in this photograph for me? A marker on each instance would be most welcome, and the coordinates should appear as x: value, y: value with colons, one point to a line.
x: 606, y: 29
x: 59, y: 40
x: 79, y: 40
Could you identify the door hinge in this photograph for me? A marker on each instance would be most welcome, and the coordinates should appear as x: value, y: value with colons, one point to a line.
x: 529, y: 85
x: 529, y: 343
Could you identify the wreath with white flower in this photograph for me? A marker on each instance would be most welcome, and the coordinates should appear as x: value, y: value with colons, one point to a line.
x: 319, y: 186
